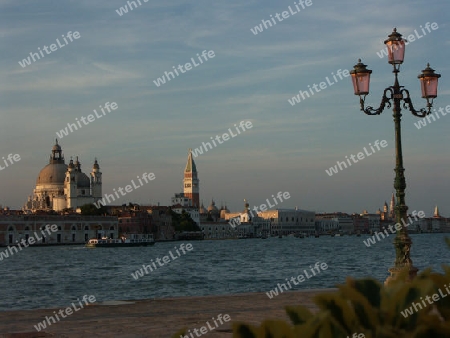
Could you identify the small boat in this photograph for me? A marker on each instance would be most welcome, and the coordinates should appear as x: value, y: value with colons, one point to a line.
x: 132, y: 240
x: 337, y: 234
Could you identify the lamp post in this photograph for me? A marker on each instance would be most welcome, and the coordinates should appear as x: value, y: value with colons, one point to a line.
x: 392, y: 97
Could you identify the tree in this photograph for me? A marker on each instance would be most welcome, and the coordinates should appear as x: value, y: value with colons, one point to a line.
x: 91, y: 209
x: 183, y: 221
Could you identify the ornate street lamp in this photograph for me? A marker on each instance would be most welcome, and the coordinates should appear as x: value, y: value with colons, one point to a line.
x: 393, y: 96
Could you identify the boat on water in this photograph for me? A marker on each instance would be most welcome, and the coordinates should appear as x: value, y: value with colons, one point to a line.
x: 130, y: 240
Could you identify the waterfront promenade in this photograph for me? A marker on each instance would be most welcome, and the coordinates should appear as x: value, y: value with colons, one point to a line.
x: 155, y: 318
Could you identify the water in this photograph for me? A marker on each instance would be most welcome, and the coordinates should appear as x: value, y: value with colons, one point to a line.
x: 56, y: 276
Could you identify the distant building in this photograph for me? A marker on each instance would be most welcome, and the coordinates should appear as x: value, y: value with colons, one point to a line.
x: 360, y: 223
x: 326, y: 222
x: 289, y: 221
x: 72, y: 229
x: 134, y: 221
x: 222, y: 224
x: 392, y: 207
x: 438, y: 223
x: 218, y: 230
x: 212, y: 213
x: 326, y: 225
x: 162, y: 221
x: 181, y: 199
x: 373, y: 220
x: 60, y: 186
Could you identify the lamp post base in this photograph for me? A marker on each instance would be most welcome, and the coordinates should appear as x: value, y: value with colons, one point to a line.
x: 403, y: 267
x: 396, y: 272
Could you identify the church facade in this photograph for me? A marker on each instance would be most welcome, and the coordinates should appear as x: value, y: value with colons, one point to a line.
x: 60, y: 186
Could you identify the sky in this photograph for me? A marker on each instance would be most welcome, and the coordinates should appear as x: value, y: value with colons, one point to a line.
x: 117, y: 58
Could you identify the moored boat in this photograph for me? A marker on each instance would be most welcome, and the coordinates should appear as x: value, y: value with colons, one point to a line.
x: 131, y: 240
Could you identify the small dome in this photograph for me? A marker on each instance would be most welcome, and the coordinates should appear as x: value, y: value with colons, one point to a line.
x: 56, y: 147
x: 71, y: 165
x: 203, y: 210
x: 83, y: 180
x: 212, y: 206
x: 96, y: 166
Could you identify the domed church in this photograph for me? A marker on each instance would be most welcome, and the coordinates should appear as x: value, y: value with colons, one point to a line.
x: 60, y: 186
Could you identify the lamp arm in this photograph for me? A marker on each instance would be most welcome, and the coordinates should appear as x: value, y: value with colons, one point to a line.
x: 407, y: 104
x: 385, y: 101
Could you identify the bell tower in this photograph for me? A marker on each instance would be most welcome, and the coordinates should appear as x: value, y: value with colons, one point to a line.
x: 191, y: 182
x: 96, y: 181
x: 70, y: 185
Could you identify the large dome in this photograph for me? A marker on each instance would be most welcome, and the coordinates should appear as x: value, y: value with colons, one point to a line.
x: 53, y: 173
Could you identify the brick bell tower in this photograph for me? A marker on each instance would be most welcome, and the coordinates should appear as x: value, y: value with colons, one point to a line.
x: 191, y: 182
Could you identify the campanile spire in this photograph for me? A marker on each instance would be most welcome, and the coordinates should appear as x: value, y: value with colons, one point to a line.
x: 191, y: 182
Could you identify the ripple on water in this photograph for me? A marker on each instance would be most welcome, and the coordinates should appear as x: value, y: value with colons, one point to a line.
x: 56, y: 276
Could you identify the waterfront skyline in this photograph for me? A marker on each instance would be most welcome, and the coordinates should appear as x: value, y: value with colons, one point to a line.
x: 250, y: 78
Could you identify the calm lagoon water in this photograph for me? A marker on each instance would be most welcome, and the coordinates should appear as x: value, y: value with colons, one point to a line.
x: 56, y: 276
